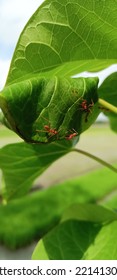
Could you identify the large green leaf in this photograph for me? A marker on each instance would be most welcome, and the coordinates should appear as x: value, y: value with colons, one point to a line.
x: 108, y: 92
x: 68, y: 241
x: 44, y: 110
x: 21, y: 163
x: 74, y: 240
x: 67, y: 36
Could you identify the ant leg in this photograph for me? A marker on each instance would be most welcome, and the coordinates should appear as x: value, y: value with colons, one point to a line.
x: 47, y: 120
x: 44, y: 118
x: 92, y: 103
x: 74, y: 130
x: 52, y: 135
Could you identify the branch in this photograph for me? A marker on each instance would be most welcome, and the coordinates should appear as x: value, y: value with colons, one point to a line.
x: 107, y: 105
x: 95, y: 158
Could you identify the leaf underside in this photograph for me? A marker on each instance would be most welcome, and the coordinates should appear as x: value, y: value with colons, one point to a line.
x: 68, y: 37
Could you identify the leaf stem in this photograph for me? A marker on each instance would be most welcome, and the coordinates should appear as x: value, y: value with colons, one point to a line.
x: 107, y: 105
x: 95, y: 158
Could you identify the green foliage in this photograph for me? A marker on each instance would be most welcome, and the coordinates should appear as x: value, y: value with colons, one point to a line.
x: 27, y: 162
x: 87, y: 231
x: 32, y: 105
x: 28, y: 218
x: 49, y: 110
x: 41, y: 51
x: 67, y: 36
x: 74, y: 240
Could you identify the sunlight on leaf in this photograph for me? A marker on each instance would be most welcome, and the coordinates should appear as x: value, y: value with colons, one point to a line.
x: 74, y: 240
x: 86, y: 29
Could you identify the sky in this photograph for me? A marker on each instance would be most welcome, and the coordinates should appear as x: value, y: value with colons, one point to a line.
x: 14, y: 14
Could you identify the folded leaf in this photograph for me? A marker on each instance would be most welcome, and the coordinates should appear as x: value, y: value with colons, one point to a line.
x: 44, y: 110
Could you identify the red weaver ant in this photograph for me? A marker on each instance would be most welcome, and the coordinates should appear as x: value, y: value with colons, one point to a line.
x: 72, y: 135
x: 86, y: 108
x: 48, y: 129
x: 51, y: 131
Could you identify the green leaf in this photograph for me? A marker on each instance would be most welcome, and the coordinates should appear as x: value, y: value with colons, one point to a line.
x: 73, y: 240
x: 21, y: 163
x: 108, y: 92
x: 68, y: 241
x: 66, y: 37
x: 105, y: 246
x: 85, y: 31
x: 44, y: 110
x: 30, y: 217
x: 89, y: 212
